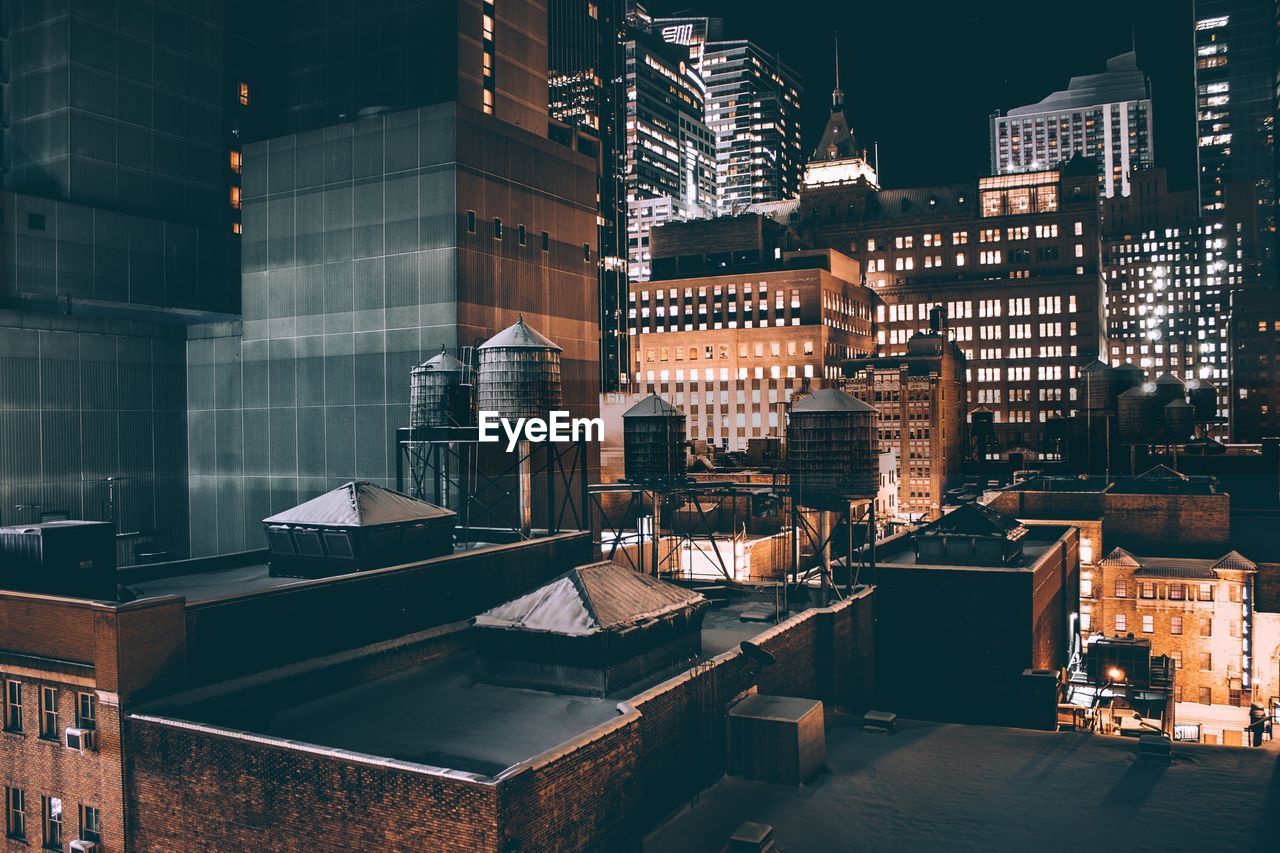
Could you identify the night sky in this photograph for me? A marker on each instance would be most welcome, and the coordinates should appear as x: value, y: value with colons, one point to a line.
x: 922, y: 78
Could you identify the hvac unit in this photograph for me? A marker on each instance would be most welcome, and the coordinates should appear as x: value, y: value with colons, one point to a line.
x: 82, y: 846
x: 81, y: 739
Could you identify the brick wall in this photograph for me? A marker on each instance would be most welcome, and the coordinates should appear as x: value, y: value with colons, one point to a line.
x: 46, y: 768
x: 237, y: 793
x: 1154, y: 522
x: 606, y: 791
x: 601, y: 791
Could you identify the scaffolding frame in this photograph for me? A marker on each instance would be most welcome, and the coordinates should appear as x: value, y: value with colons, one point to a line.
x: 441, y: 466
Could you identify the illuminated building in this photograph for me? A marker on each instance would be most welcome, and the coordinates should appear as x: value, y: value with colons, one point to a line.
x: 731, y: 350
x: 1012, y: 259
x: 670, y: 154
x: 921, y: 399
x: 1106, y: 116
x: 838, y: 160
x: 586, y: 93
x: 1197, y: 611
x: 1255, y: 347
x: 752, y: 110
x: 1235, y: 114
x: 1169, y: 275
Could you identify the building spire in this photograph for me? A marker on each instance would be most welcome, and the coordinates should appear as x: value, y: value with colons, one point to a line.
x: 837, y: 95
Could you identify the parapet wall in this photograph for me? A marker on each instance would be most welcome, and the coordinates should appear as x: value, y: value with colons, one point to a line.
x: 603, y: 791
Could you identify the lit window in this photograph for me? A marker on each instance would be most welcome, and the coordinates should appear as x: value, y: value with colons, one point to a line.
x: 235, y: 197
x: 237, y: 162
x: 52, y: 812
x: 244, y: 94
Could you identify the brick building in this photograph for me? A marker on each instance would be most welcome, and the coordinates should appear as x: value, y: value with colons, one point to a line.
x: 1014, y: 260
x: 730, y: 350
x: 1199, y: 612
x: 967, y: 604
x: 921, y: 399
x: 80, y: 664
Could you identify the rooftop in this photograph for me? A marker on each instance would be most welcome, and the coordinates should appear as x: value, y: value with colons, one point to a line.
x: 1036, y: 542
x: 1122, y: 81
x: 435, y: 712
x: 952, y: 787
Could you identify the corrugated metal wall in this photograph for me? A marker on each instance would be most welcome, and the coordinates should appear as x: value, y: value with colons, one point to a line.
x: 79, y: 405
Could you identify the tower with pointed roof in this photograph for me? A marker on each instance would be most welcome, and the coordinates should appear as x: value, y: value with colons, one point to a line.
x: 839, y: 159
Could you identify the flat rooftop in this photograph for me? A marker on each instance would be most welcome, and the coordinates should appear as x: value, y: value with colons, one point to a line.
x: 197, y: 583
x: 205, y: 586
x: 951, y: 787
x: 437, y: 714
x: 903, y: 553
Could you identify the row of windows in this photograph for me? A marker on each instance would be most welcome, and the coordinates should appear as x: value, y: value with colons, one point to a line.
x: 755, y: 350
x: 961, y: 238
x: 47, y: 709
x: 52, y: 820
x: 1173, y: 591
x: 522, y: 235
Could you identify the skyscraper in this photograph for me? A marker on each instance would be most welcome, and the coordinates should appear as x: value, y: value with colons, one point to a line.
x: 1169, y: 273
x: 1235, y: 119
x: 1106, y: 116
x: 586, y: 91
x: 670, y: 154
x: 752, y: 110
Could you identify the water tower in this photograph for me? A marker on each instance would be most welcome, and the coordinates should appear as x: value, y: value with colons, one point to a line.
x: 833, y: 460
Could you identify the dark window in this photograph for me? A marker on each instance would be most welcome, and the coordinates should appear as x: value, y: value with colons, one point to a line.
x: 471, y: 222
x: 86, y: 711
x: 35, y: 221
x: 12, y: 705
x: 90, y: 824
x: 497, y: 228
x: 523, y: 239
x: 1206, y: 696
x: 546, y: 242
x: 586, y: 252
x: 15, y: 808
x: 49, y: 713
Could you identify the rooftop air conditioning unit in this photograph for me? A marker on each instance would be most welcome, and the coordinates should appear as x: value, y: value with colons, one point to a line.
x: 82, y: 846
x: 81, y: 739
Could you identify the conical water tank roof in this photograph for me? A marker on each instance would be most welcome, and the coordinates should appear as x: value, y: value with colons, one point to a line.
x: 1169, y: 388
x: 520, y: 335
x: 443, y: 362
x: 1127, y: 375
x: 830, y: 400
x: 652, y: 406
x: 519, y: 374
